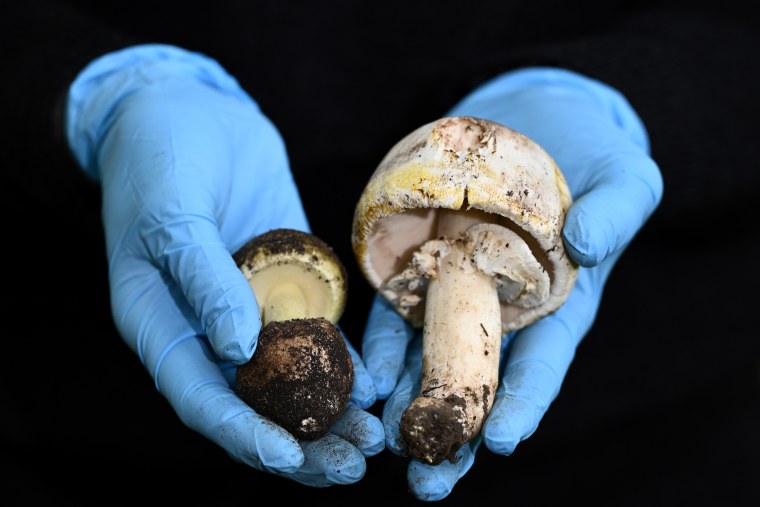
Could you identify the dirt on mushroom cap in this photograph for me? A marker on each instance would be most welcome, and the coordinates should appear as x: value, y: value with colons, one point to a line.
x: 278, y: 243
x: 300, y: 376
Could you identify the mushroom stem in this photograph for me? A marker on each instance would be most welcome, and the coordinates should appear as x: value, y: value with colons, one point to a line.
x: 460, y: 351
x: 284, y: 302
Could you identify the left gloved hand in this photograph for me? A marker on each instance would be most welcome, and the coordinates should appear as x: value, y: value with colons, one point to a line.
x: 190, y: 169
x: 602, y: 148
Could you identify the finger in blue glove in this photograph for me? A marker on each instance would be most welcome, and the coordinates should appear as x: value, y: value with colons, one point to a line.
x: 596, y: 138
x: 386, y: 337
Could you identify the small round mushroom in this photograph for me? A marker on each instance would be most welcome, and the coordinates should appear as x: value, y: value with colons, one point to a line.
x: 301, y: 374
x: 459, y: 228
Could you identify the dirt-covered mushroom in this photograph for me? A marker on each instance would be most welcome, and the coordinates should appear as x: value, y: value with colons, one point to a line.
x: 301, y: 374
x: 459, y: 228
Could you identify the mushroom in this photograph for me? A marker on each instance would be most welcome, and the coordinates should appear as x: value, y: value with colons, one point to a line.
x: 459, y: 229
x: 301, y: 374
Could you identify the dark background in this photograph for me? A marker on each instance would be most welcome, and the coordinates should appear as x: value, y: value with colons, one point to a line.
x: 662, y: 403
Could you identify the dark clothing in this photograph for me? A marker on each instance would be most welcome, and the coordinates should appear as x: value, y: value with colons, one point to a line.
x: 661, y: 403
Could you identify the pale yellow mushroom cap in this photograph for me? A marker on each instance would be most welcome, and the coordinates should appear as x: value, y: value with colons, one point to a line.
x: 289, y: 257
x: 472, y: 165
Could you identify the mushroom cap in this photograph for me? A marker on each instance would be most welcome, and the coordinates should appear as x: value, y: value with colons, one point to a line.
x: 291, y: 256
x: 467, y: 164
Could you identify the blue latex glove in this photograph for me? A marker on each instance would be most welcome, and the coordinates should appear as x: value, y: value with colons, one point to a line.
x: 190, y: 169
x: 602, y: 148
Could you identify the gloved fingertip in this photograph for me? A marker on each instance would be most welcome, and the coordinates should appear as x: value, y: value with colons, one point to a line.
x: 283, y: 465
x: 235, y: 351
x: 234, y: 341
x: 364, y: 396
x: 391, y: 417
x: 434, y: 482
x: 499, y: 442
x: 348, y: 473
x: 363, y: 392
x: 393, y: 410
x: 285, y: 462
x: 384, y: 346
x: 375, y: 438
x: 384, y: 384
x: 374, y: 450
x: 583, y: 247
x: 333, y: 461
x: 510, y: 422
x: 602, y: 221
x: 276, y: 449
x: 393, y: 436
x: 583, y: 258
x: 385, y: 371
x: 427, y: 483
x: 361, y: 429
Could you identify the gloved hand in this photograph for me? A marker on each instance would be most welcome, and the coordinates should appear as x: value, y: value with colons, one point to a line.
x: 190, y: 169
x: 602, y: 148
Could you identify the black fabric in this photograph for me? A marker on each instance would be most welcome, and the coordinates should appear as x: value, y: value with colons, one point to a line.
x: 661, y: 403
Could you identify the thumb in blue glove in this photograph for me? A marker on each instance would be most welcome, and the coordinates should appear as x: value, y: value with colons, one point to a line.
x: 601, y: 146
x: 190, y: 169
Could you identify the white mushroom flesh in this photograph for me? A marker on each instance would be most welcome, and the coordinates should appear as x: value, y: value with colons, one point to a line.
x: 501, y: 253
x: 290, y: 291
x: 294, y: 275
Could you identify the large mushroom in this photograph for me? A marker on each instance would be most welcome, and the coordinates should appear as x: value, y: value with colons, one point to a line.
x: 459, y: 229
x: 301, y: 374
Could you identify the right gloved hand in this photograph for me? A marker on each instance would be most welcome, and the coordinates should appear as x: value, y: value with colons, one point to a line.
x: 595, y: 135
x: 190, y: 169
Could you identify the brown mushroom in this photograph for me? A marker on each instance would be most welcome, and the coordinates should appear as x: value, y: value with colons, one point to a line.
x: 301, y: 374
x: 459, y: 228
